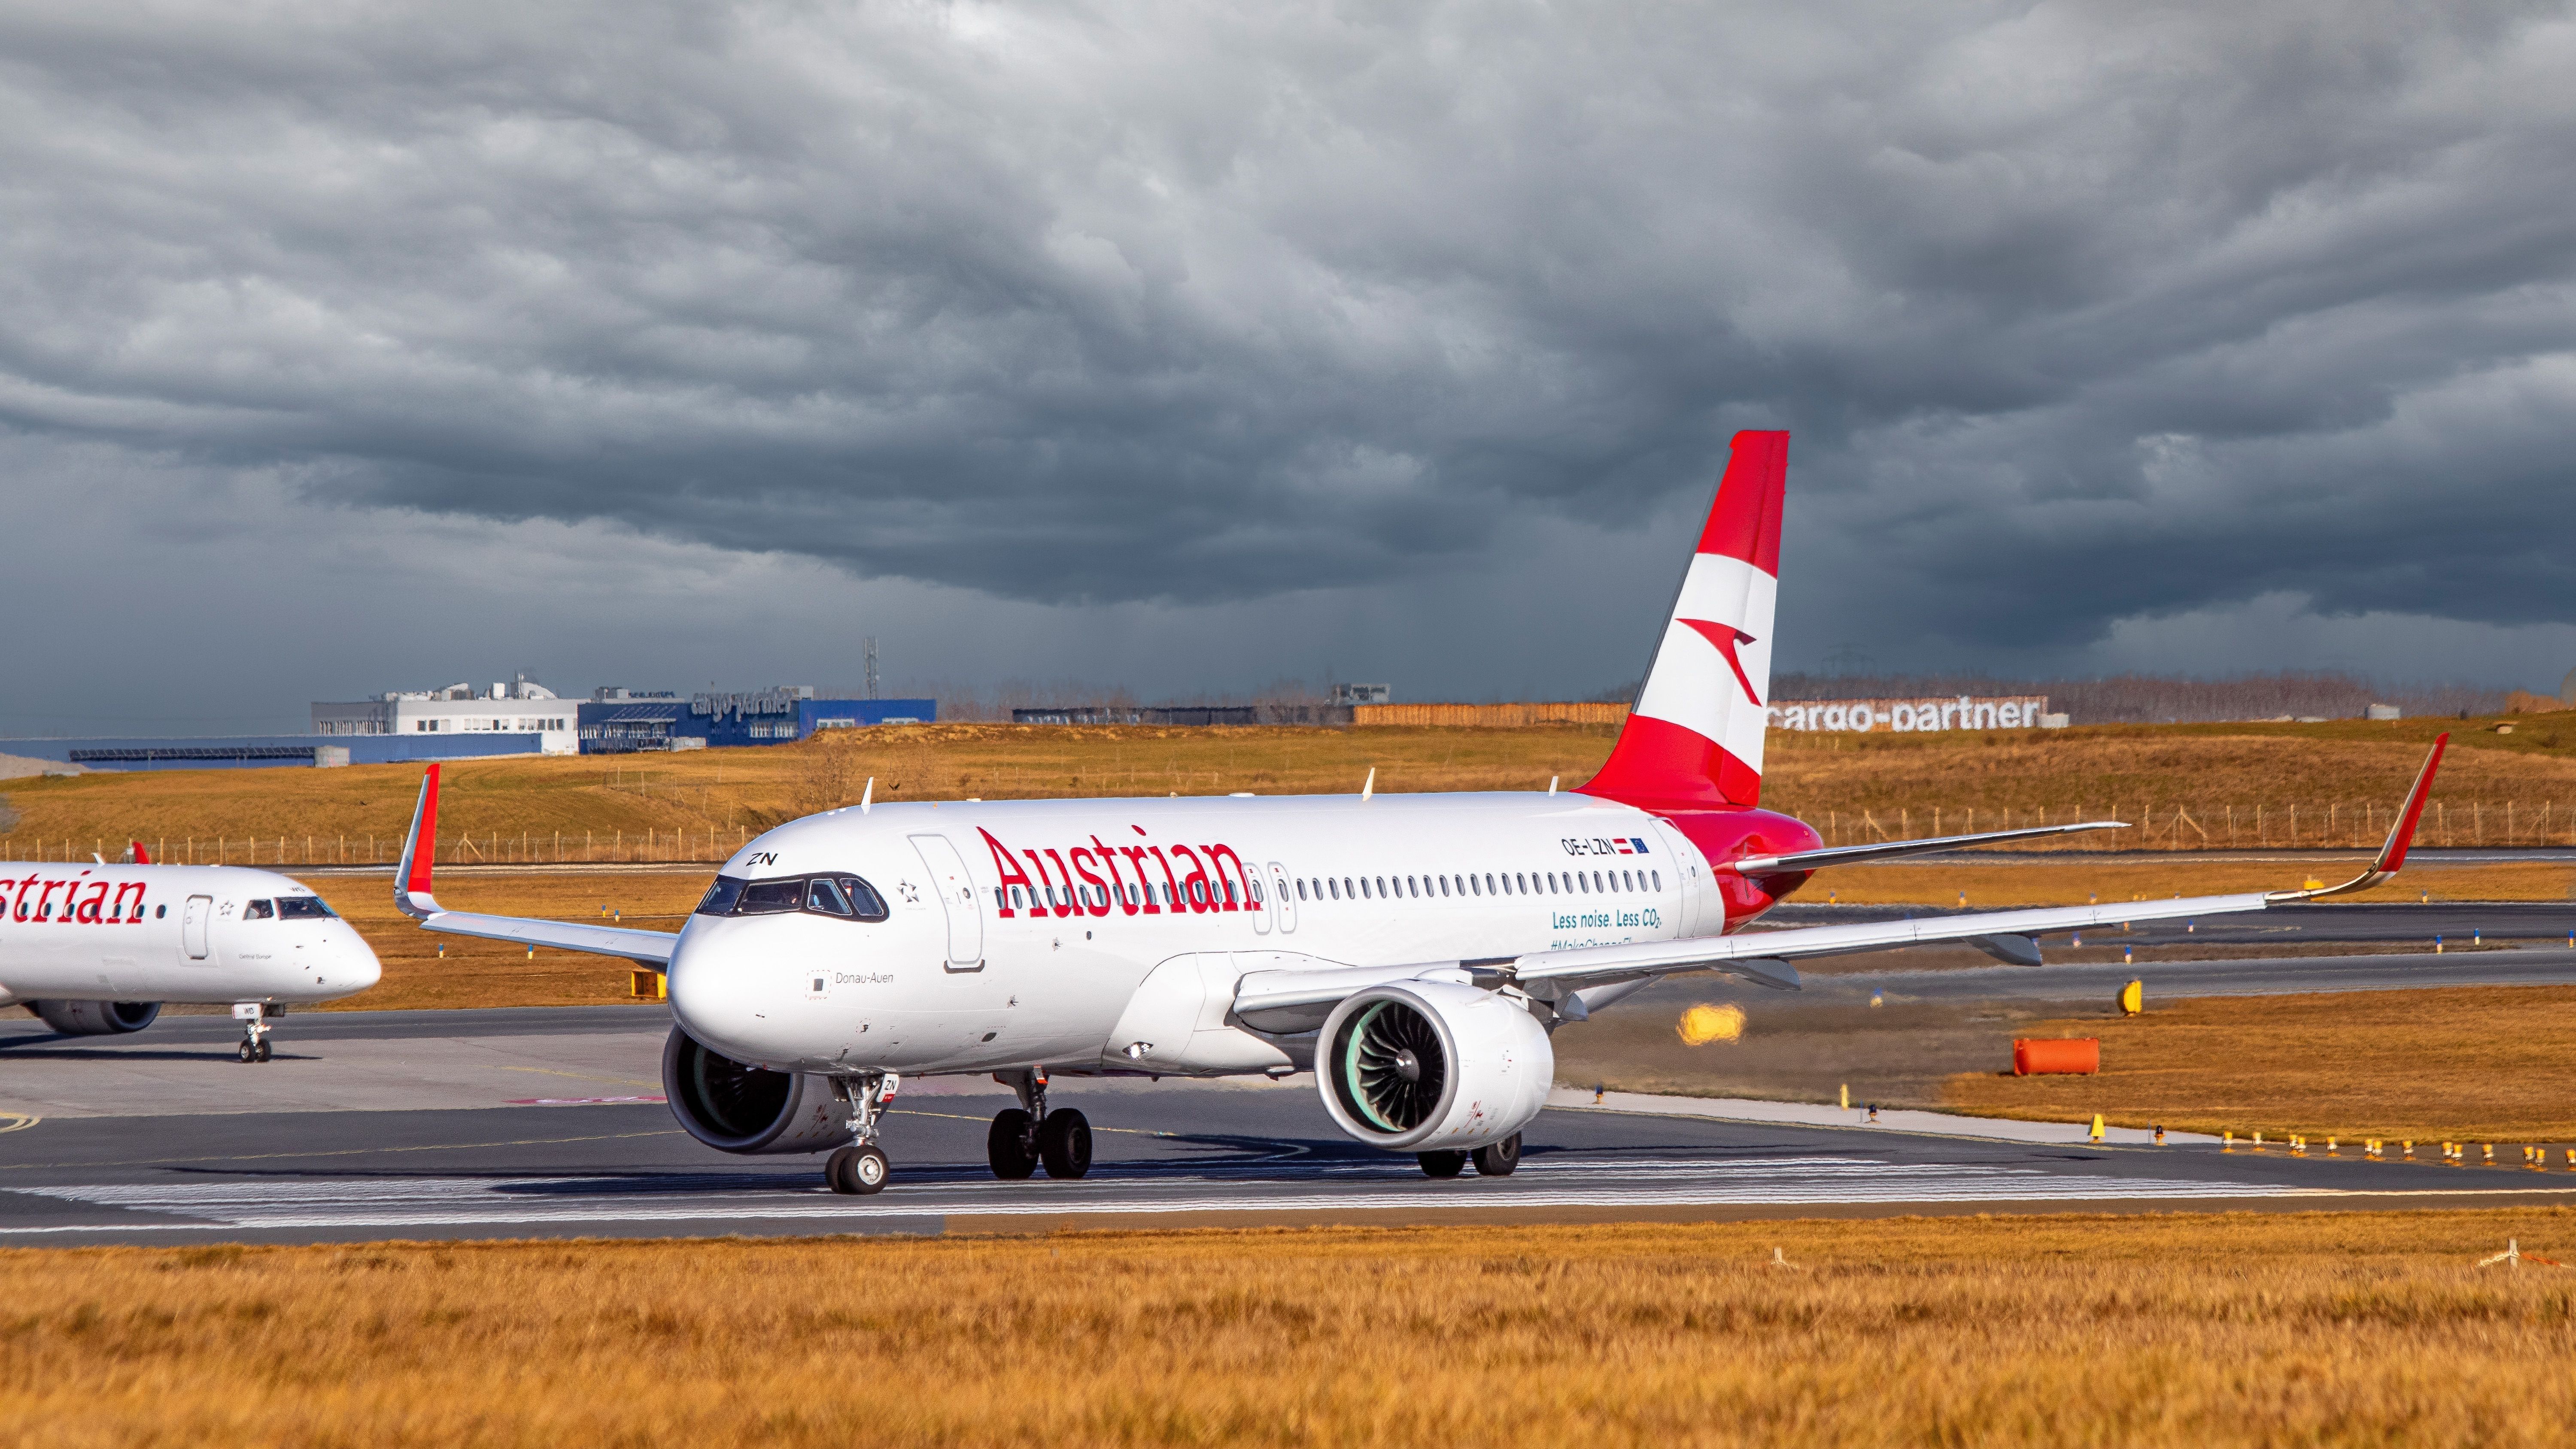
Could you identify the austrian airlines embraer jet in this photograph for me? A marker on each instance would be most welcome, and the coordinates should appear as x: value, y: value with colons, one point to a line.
x: 1414, y: 951
x: 95, y: 949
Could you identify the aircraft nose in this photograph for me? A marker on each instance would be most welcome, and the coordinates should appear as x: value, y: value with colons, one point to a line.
x: 359, y: 964
x: 348, y: 963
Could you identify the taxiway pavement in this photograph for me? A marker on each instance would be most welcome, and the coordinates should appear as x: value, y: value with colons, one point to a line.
x: 510, y: 1124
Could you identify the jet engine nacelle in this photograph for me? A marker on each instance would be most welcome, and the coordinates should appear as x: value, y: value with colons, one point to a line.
x: 735, y: 1107
x: 96, y: 1018
x: 1429, y: 1066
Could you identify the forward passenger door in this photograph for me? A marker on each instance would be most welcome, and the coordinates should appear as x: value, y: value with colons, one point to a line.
x: 956, y: 892
x: 192, y: 926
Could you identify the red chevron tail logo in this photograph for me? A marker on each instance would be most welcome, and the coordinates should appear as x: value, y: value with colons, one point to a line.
x: 1726, y: 638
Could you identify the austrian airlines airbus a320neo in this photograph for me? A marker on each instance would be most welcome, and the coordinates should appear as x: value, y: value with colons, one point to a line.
x: 95, y: 949
x: 1414, y: 951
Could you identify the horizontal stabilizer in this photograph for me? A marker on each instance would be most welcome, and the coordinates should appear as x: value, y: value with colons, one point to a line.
x: 1805, y: 860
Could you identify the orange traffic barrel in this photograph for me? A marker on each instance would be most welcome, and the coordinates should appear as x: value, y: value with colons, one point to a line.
x: 2064, y: 1056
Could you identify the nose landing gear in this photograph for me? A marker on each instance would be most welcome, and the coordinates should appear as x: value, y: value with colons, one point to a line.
x: 253, y: 1016
x: 1028, y: 1136
x: 862, y: 1167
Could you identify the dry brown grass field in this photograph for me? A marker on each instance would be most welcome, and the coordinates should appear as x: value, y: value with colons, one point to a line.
x: 2477, y: 1063
x: 2185, y: 786
x: 2483, y: 1063
x: 2324, y: 1329
x: 2340, y: 778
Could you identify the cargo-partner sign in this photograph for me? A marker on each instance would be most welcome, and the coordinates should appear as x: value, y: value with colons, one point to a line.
x: 1962, y: 712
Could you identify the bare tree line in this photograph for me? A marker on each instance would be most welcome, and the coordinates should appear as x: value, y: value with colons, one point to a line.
x: 2109, y: 699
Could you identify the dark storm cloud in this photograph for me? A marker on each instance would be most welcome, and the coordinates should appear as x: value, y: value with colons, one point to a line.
x: 2126, y: 309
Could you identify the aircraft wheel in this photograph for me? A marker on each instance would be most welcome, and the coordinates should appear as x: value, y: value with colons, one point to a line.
x: 1064, y: 1143
x: 264, y: 1050
x: 1497, y: 1159
x: 248, y: 1053
x: 857, y: 1171
x: 1442, y: 1164
x: 1006, y: 1146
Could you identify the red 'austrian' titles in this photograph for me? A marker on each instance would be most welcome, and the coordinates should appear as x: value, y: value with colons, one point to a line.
x: 32, y: 899
x: 1095, y: 878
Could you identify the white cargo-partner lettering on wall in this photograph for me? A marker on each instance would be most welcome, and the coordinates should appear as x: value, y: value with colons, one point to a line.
x: 1962, y: 712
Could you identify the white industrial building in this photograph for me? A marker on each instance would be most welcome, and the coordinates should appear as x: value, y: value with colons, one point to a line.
x: 520, y: 706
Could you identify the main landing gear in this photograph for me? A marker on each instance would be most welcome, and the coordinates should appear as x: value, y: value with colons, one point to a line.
x: 861, y: 1168
x: 1028, y: 1136
x: 1494, y: 1159
x: 253, y: 1016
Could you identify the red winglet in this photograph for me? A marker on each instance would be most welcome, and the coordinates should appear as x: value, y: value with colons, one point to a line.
x: 420, y: 852
x: 2392, y: 855
x: 141, y: 856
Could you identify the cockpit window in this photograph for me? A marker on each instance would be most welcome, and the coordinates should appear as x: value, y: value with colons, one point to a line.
x: 259, y: 911
x: 864, y: 900
x: 845, y: 897
x: 769, y: 897
x: 302, y: 908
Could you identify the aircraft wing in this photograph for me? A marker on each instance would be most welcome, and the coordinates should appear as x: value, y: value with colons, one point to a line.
x: 1764, y: 957
x: 412, y: 896
x: 1299, y: 1000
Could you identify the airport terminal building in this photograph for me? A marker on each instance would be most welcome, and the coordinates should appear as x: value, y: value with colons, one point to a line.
x: 624, y: 721
x: 515, y: 717
x: 519, y: 707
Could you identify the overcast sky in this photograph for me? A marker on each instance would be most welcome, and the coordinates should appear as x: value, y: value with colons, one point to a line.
x: 347, y: 348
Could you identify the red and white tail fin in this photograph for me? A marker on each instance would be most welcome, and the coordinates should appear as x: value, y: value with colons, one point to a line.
x: 1694, y: 740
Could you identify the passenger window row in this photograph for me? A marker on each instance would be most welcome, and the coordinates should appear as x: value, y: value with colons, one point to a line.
x: 1101, y: 898
x: 1490, y: 883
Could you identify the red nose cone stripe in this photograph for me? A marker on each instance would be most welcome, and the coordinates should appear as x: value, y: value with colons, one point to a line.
x: 1659, y: 765
x: 1745, y: 523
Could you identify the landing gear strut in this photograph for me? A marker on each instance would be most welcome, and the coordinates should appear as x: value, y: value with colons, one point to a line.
x: 1028, y: 1136
x: 254, y: 1017
x: 861, y: 1168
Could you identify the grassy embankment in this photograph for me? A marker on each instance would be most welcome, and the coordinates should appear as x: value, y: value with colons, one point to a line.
x: 2236, y: 1329
x: 2485, y: 1063
x: 2481, y: 1063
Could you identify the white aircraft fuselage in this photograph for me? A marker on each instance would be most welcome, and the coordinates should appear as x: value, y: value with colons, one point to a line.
x: 140, y: 933
x: 1026, y: 931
